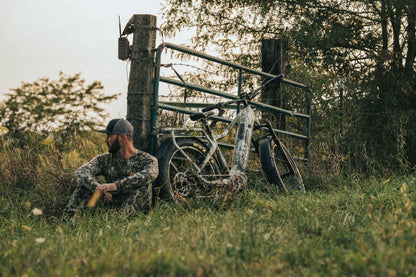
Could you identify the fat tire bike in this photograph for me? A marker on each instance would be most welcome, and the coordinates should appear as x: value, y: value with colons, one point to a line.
x: 191, y: 161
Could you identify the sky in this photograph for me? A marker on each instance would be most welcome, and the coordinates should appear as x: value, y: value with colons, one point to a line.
x: 41, y: 38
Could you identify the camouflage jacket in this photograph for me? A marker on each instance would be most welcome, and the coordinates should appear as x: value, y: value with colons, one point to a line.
x: 129, y: 174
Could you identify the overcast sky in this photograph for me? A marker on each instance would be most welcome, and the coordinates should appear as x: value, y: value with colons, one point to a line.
x: 42, y: 37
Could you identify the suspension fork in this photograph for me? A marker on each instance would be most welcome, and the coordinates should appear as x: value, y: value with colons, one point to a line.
x: 268, y: 125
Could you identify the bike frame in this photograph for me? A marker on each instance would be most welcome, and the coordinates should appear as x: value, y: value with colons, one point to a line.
x: 246, y: 121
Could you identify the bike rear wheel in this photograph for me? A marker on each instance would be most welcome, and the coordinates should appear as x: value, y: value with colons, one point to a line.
x: 178, y: 167
x: 279, y: 166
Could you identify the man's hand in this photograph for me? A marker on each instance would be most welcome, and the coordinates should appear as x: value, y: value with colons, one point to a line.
x: 106, y: 189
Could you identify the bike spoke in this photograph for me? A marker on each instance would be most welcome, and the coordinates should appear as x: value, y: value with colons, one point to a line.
x: 174, y: 167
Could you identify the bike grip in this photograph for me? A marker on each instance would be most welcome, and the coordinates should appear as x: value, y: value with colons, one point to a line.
x: 92, y: 202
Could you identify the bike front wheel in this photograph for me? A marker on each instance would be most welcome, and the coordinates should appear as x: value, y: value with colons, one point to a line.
x: 181, y: 169
x: 279, y: 166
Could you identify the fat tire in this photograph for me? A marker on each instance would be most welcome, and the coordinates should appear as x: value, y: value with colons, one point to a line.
x: 168, y: 155
x: 279, y: 166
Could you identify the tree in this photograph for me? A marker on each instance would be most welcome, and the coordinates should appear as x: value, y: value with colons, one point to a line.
x: 334, y: 32
x: 371, y: 43
x: 46, y: 105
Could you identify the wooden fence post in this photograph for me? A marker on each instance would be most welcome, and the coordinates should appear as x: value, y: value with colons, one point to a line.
x: 140, y: 87
x: 273, y: 62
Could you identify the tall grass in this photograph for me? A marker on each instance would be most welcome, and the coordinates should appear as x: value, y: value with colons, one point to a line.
x: 344, y: 227
x: 40, y: 170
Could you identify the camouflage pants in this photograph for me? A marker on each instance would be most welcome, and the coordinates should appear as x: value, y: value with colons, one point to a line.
x: 132, y: 201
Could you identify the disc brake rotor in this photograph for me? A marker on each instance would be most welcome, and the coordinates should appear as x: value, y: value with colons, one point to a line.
x: 183, y: 184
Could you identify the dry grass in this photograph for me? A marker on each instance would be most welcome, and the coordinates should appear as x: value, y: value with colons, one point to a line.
x: 352, y: 227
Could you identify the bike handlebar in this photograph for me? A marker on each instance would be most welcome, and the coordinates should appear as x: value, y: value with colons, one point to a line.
x: 244, y: 97
x: 220, y: 105
x: 255, y: 92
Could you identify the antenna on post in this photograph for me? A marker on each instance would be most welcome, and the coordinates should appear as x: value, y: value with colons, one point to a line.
x: 119, y: 26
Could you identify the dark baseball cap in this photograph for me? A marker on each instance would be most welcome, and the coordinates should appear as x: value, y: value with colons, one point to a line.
x: 118, y: 126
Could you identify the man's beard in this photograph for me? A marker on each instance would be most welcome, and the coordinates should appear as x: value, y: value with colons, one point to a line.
x: 113, y: 149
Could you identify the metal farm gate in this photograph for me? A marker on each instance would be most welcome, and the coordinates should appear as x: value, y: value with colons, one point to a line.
x: 241, y: 70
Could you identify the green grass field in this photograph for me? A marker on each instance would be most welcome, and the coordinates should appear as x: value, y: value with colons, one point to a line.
x: 353, y: 228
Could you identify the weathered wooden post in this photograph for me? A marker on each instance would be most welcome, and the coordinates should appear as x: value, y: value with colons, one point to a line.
x: 140, y: 87
x: 273, y: 62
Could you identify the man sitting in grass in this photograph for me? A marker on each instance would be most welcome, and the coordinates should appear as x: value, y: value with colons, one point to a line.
x: 128, y: 173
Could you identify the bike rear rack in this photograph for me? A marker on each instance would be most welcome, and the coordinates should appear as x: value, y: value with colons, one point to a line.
x: 242, y: 69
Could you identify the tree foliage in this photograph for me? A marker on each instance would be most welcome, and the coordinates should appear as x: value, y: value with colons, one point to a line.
x: 333, y: 32
x: 369, y: 43
x: 46, y: 105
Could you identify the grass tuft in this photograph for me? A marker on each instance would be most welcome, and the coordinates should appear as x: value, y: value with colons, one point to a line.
x: 344, y: 226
